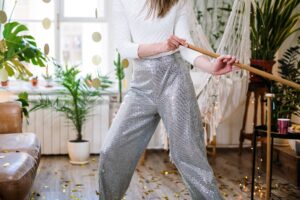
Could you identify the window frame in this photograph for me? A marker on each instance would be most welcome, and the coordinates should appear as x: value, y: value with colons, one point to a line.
x: 59, y: 18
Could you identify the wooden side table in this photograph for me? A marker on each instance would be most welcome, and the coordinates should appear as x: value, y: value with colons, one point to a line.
x: 259, y: 89
x: 261, y: 131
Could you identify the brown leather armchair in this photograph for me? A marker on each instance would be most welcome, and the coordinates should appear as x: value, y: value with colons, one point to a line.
x: 19, y: 154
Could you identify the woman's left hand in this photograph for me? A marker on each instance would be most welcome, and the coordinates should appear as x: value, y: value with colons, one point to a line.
x: 224, y: 64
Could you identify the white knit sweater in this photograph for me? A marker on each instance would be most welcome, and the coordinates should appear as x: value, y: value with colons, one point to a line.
x: 132, y: 27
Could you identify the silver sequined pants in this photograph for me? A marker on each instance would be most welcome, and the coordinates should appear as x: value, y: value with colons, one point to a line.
x: 161, y: 88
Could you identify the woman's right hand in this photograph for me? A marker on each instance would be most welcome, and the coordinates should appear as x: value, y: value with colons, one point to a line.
x: 173, y: 43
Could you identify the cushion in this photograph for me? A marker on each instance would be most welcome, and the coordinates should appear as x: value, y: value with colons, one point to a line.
x: 20, y: 142
x: 17, y: 172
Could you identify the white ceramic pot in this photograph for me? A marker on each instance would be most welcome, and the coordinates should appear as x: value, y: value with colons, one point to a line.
x: 79, y: 152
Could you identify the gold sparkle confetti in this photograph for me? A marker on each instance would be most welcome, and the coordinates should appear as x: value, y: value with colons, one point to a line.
x: 96, y: 36
x: 46, y: 49
x: 177, y: 195
x: 125, y: 63
x: 79, y: 185
x: 3, y: 17
x: 96, y: 60
x: 46, y: 23
x: 6, y: 164
x: 96, y: 83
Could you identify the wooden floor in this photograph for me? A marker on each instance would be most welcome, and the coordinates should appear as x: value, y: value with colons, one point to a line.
x: 157, y: 179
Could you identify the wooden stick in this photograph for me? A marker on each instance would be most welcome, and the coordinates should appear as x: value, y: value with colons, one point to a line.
x: 248, y: 68
x: 269, y: 159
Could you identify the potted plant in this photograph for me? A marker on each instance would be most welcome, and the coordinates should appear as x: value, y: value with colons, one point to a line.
x: 48, y: 79
x: 287, y: 99
x: 272, y: 22
x: 16, y: 48
x: 3, y: 77
x: 75, y: 102
x: 34, y: 81
x: 4, y: 83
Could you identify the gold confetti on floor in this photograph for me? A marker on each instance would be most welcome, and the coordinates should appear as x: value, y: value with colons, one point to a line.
x: 6, y: 164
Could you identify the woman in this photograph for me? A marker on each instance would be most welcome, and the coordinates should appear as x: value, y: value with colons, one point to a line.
x: 150, y: 32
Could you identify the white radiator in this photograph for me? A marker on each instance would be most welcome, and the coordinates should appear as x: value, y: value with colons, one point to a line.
x: 54, y: 131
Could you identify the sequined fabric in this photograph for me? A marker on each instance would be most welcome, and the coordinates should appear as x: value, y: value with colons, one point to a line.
x: 161, y: 88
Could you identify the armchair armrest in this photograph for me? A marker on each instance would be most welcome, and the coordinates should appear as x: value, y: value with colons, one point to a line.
x: 10, y: 117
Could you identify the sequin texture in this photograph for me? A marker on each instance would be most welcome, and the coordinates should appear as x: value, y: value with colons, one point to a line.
x: 161, y: 89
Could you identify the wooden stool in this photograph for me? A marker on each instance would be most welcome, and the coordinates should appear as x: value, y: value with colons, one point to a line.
x: 259, y: 89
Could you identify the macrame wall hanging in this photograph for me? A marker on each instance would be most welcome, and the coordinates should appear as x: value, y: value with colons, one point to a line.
x: 226, y: 30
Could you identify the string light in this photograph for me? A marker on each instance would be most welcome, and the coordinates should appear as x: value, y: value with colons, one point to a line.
x: 258, y: 187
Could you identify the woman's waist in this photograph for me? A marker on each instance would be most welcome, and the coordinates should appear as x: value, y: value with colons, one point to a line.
x: 158, y: 61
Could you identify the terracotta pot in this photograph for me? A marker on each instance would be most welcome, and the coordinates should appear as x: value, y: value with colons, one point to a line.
x: 4, y: 83
x: 34, y: 82
x: 264, y: 65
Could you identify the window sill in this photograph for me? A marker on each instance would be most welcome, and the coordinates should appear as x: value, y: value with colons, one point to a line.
x: 17, y: 86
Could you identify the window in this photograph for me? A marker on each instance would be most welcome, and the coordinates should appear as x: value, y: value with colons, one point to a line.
x: 76, y: 31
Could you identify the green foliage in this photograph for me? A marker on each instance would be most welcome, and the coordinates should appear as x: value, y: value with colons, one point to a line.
x: 272, y: 22
x: 23, y: 99
x: 119, y: 69
x: 105, y: 81
x: 74, y: 102
x: 287, y: 99
x: 16, y: 47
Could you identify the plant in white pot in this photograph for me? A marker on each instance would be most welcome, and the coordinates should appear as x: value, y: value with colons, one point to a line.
x: 75, y: 102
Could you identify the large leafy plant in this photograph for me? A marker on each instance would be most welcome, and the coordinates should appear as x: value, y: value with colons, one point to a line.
x: 18, y: 47
x: 75, y: 101
x: 272, y: 22
x: 287, y: 99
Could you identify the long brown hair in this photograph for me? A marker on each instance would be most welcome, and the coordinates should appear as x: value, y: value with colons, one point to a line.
x: 159, y: 8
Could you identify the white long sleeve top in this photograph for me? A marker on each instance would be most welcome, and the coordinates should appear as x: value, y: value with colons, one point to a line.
x: 132, y: 27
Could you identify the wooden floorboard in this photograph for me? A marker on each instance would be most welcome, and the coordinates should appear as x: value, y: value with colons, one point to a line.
x: 158, y: 179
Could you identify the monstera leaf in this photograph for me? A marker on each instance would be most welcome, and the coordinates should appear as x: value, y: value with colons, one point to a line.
x: 20, y: 48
